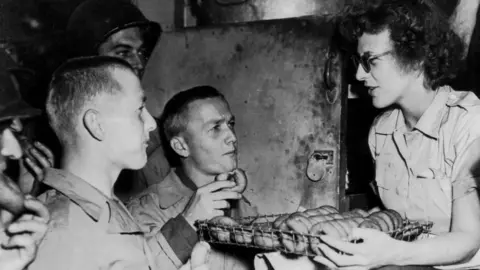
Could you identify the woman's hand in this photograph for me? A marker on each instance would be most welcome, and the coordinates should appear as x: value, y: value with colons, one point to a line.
x: 377, y: 249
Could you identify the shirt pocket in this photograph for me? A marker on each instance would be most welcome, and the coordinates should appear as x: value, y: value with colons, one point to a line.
x: 431, y: 191
x: 386, y: 173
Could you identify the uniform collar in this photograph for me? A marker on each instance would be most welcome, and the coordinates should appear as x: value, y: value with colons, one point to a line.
x: 88, y: 198
x: 173, y: 188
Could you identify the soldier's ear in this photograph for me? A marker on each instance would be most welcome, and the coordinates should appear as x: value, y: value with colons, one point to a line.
x: 93, y: 124
x: 180, y: 146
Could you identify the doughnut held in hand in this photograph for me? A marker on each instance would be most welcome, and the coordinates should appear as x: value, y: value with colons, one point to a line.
x: 238, y: 176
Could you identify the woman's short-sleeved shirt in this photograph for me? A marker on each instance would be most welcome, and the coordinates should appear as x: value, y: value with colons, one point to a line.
x: 420, y: 172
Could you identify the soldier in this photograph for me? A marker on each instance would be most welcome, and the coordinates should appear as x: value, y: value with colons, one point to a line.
x: 112, y: 27
x: 118, y: 28
x: 23, y: 220
x: 96, y: 106
x: 200, y: 129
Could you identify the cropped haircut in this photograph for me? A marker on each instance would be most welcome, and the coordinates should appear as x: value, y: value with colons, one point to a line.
x: 175, y: 116
x: 421, y: 36
x: 74, y: 84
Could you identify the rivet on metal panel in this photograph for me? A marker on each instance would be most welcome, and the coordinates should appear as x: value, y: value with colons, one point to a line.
x: 319, y: 164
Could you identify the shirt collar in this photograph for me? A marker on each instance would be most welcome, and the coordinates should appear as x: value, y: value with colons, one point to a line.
x: 172, y: 189
x: 431, y: 120
x: 90, y: 199
x: 429, y: 123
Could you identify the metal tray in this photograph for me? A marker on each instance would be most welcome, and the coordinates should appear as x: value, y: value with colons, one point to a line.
x: 257, y: 233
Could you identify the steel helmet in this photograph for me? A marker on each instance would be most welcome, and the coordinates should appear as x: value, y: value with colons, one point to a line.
x: 93, y: 21
x: 12, y: 104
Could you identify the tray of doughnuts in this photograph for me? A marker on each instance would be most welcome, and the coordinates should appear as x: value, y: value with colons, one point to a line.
x: 298, y: 232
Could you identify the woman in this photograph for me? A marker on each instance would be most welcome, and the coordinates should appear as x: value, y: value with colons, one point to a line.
x: 426, y: 145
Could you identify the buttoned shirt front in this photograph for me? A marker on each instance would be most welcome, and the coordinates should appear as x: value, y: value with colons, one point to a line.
x: 421, y: 172
x: 88, y: 230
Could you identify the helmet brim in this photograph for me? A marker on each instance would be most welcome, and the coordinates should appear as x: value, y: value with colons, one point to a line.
x: 153, y: 30
x: 18, y: 109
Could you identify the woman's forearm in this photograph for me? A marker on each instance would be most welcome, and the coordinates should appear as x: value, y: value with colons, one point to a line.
x: 451, y: 248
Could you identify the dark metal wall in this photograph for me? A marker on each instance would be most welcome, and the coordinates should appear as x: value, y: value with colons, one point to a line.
x: 273, y: 74
x: 212, y: 12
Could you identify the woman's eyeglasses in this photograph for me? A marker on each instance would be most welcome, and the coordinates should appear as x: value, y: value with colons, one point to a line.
x: 366, y: 60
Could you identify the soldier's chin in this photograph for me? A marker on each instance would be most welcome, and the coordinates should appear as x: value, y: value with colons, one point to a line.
x: 139, y: 164
x: 228, y: 167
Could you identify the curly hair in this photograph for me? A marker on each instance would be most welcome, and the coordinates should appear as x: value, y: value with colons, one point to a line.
x: 420, y: 33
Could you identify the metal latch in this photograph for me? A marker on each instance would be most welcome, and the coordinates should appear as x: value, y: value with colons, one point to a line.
x: 319, y: 163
